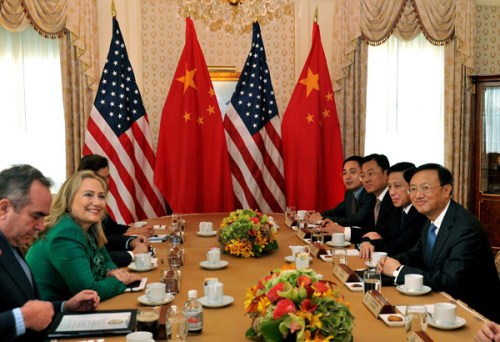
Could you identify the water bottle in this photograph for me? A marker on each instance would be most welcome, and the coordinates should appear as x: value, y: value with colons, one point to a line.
x: 193, y: 311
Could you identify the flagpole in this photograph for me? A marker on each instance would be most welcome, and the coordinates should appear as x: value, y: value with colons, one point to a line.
x: 315, y: 19
x: 113, y: 9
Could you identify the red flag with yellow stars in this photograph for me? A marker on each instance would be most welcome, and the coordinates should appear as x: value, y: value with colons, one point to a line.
x: 312, y: 144
x: 192, y: 164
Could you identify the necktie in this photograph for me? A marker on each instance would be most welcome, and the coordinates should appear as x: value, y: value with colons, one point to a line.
x: 403, y: 217
x: 377, y: 210
x: 354, y: 204
x: 431, y: 239
x: 23, y: 264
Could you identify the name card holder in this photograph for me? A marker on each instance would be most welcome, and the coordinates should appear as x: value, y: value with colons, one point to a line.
x: 377, y: 304
x: 345, y: 274
x: 419, y: 336
x: 317, y: 249
x: 302, y: 234
x: 289, y: 222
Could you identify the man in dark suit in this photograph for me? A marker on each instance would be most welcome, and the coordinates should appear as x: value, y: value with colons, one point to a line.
x: 374, y: 178
x: 357, y: 207
x: 453, y: 252
x: 405, y: 224
x: 24, y: 202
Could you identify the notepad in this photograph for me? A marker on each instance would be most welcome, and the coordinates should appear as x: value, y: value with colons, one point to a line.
x: 99, y: 323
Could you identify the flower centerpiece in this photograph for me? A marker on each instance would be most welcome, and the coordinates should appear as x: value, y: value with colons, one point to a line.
x: 295, y: 305
x: 248, y: 233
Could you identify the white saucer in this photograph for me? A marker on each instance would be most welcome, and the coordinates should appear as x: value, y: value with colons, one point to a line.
x: 291, y: 258
x: 402, y: 289
x: 331, y: 244
x: 134, y: 268
x: 385, y: 318
x: 212, y: 233
x: 144, y: 300
x: 459, y: 322
x: 226, y: 300
x: 369, y: 264
x: 222, y: 264
x: 355, y: 286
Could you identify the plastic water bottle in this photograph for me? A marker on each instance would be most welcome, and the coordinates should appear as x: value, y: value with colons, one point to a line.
x: 193, y: 311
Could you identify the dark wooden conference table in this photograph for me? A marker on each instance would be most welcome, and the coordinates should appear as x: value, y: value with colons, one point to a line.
x: 230, y: 323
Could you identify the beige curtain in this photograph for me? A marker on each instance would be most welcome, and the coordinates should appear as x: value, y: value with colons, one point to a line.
x: 349, y: 74
x: 80, y: 73
x: 75, y: 23
x: 442, y: 22
x: 48, y: 17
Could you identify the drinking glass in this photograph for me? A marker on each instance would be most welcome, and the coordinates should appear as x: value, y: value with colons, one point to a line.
x: 372, y: 280
x: 317, y: 236
x: 291, y: 213
x: 339, y: 255
x: 415, y: 319
x: 178, y: 328
x: 170, y: 278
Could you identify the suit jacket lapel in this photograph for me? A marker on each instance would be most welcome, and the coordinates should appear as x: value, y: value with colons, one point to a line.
x: 10, y: 263
x: 443, y: 234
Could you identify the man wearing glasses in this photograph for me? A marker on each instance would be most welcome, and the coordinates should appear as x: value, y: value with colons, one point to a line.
x: 453, y: 252
x: 374, y: 178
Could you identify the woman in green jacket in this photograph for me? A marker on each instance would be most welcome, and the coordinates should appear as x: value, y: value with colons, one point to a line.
x: 70, y: 255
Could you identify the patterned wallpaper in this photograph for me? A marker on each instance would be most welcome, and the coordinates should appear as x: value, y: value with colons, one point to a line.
x: 488, y: 40
x: 163, y: 41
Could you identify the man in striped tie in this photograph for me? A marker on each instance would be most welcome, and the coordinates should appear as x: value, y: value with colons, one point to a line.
x: 453, y: 253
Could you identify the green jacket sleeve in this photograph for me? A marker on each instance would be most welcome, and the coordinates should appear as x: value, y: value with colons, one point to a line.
x: 71, y: 257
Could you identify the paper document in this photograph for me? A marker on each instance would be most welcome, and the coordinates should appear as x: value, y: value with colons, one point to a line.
x: 97, y: 321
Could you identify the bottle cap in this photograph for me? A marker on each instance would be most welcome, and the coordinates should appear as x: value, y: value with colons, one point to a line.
x: 192, y: 293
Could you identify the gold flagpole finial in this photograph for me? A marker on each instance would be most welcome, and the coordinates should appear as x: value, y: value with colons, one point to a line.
x: 113, y: 8
x: 316, y: 14
x: 188, y: 11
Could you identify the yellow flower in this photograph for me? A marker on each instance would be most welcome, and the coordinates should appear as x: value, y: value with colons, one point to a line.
x: 250, y: 294
x: 264, y: 303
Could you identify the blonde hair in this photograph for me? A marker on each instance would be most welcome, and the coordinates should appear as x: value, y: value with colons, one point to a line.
x: 64, y: 198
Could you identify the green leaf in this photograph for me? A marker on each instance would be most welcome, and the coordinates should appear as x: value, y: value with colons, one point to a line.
x: 270, y: 330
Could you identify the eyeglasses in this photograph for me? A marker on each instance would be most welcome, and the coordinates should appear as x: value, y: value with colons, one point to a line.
x: 424, y: 188
x: 369, y: 174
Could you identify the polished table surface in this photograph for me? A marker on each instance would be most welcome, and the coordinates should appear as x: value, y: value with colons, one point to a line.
x: 230, y: 323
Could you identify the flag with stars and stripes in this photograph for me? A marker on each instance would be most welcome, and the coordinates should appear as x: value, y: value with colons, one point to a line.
x: 253, y: 133
x: 312, y: 144
x: 118, y: 129
x: 192, y: 165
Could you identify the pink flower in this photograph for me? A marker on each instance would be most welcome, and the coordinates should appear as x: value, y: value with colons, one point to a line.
x: 283, y: 307
x: 272, y: 294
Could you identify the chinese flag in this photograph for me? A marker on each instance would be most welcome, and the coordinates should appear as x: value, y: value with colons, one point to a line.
x: 192, y: 164
x: 312, y: 144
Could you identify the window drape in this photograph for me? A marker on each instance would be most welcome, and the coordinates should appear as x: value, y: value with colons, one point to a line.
x: 74, y: 22
x: 442, y: 22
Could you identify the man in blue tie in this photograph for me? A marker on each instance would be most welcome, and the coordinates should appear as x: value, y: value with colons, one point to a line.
x: 24, y: 202
x: 453, y: 252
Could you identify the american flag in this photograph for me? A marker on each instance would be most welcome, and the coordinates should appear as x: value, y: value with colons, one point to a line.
x: 118, y: 129
x: 253, y: 134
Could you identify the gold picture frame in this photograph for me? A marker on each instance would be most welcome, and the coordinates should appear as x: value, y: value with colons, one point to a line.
x: 223, y: 73
x: 224, y: 80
